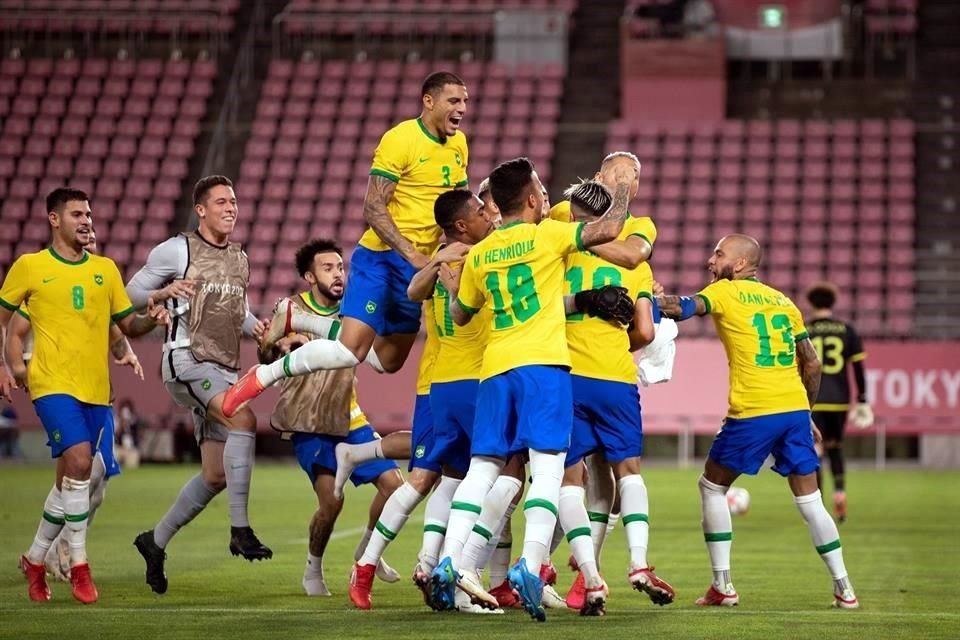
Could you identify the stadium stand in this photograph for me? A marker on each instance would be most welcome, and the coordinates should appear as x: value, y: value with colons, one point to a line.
x: 123, y: 130
x: 317, y: 124
x: 829, y: 199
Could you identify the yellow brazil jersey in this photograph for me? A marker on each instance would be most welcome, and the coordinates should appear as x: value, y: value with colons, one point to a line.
x: 71, y: 307
x: 561, y: 212
x: 599, y: 348
x: 357, y: 417
x: 431, y: 347
x: 461, y: 348
x: 516, y: 275
x: 423, y: 168
x: 759, y: 328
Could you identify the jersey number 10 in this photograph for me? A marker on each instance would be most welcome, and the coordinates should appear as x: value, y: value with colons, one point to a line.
x: 778, y: 322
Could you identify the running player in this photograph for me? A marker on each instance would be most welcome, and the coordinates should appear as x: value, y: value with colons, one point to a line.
x: 72, y: 297
x: 414, y: 163
x: 606, y: 410
x: 840, y: 349
x: 774, y: 379
x: 320, y: 410
x: 202, y: 279
x: 516, y: 274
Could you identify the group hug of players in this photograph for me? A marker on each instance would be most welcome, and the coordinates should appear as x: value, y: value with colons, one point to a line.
x: 531, y: 315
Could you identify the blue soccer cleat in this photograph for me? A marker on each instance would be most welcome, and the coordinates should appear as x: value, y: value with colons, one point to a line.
x: 530, y: 587
x: 444, y: 580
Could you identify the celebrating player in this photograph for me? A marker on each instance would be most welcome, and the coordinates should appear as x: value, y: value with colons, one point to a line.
x: 415, y: 162
x: 839, y: 347
x: 72, y: 297
x: 774, y: 379
x: 516, y: 275
x: 202, y: 279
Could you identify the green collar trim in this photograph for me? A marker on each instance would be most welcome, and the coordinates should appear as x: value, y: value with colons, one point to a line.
x: 426, y: 131
x: 86, y: 256
x: 508, y: 225
x: 319, y: 308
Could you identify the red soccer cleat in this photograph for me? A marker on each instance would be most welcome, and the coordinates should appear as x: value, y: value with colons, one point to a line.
x: 361, y: 584
x: 577, y: 595
x: 714, y: 598
x: 506, y: 596
x: 646, y: 581
x: 82, y: 582
x: 246, y: 389
x: 36, y: 580
x: 548, y: 573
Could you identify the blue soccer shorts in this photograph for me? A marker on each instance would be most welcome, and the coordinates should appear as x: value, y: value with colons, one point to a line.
x: 423, y: 438
x: 743, y: 444
x: 316, y: 451
x: 606, y: 418
x: 376, y: 292
x: 69, y: 422
x: 454, y: 405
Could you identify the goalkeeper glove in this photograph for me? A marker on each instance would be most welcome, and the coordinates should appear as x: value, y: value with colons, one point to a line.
x: 862, y: 416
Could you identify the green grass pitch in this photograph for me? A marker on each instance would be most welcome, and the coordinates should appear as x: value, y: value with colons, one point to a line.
x: 899, y: 544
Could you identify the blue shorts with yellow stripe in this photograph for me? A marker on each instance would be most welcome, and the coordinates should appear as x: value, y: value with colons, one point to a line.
x: 743, y: 444
x: 69, y: 422
x: 606, y: 419
x: 376, y: 292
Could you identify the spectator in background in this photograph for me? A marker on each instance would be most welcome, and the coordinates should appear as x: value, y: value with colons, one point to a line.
x: 128, y: 425
x: 9, y: 434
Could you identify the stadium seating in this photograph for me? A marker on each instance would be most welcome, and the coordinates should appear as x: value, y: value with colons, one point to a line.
x: 828, y: 200
x: 123, y: 130
x: 308, y: 157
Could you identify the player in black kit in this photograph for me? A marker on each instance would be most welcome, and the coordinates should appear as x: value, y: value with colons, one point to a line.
x: 838, y: 346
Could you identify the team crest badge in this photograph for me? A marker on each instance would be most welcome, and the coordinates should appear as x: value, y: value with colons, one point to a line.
x: 98, y: 278
x: 420, y: 451
x: 205, y: 385
x: 56, y: 436
x: 458, y: 159
x: 371, y: 306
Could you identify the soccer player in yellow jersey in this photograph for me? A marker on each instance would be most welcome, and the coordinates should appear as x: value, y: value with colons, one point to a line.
x: 73, y: 297
x: 414, y: 163
x: 606, y: 412
x: 516, y: 276
x: 774, y: 380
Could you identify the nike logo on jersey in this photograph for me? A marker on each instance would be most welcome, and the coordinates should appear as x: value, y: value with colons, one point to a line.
x: 46, y: 280
x: 422, y: 160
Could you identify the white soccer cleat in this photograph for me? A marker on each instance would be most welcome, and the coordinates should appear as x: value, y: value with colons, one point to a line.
x: 280, y: 325
x: 387, y: 573
x: 471, y: 584
x: 845, y: 600
x: 57, y: 560
x: 345, y: 466
x: 464, y: 605
x: 551, y: 599
x: 315, y: 585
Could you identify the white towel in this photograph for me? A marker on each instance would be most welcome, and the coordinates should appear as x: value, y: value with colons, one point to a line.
x: 655, y: 363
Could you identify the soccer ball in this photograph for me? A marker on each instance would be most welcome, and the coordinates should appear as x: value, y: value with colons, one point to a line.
x: 738, y: 500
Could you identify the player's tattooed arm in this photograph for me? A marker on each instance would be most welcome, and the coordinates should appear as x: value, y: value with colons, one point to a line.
x: 682, y: 307
x: 609, y: 225
x: 809, y: 366
x: 379, y: 192
x: 629, y: 253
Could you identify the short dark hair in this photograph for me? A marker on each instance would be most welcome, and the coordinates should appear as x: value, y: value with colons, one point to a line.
x: 437, y: 80
x: 206, y: 183
x: 309, y: 251
x: 449, y: 205
x: 509, y: 182
x: 60, y: 196
x: 822, y: 295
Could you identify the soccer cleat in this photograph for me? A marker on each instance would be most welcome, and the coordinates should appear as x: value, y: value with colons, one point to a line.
x: 57, y: 560
x: 548, y: 573
x: 244, y: 542
x: 314, y: 584
x: 387, y: 573
x: 595, y: 601
x: 345, y: 466
x: 530, y: 589
x: 154, y: 556
x: 551, y: 599
x: 714, y: 598
x: 444, y: 581
x: 36, y: 580
x: 465, y: 605
x: 280, y: 325
x: 577, y: 595
x: 845, y: 600
x: 82, y: 583
x: 243, y: 391
x: 421, y: 578
x: 646, y: 581
x: 840, y: 506
x: 361, y: 584
x: 506, y: 597
x: 470, y: 584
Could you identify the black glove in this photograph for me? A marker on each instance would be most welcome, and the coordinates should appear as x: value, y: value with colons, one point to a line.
x: 606, y: 303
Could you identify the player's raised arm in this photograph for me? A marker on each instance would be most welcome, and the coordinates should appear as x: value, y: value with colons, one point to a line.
x: 683, y: 307
x: 609, y: 225
x: 422, y: 283
x: 629, y: 253
x: 465, y: 298
x: 157, y: 279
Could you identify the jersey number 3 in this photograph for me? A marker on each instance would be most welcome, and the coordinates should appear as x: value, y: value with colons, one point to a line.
x: 778, y: 322
x: 524, y: 303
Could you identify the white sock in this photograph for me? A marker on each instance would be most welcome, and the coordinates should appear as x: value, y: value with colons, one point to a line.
x: 467, y: 505
x: 366, y: 451
x: 76, y: 510
x: 362, y: 545
x: 636, y: 520
x: 314, y: 565
x: 325, y: 327
x: 540, y: 508
x: 717, y: 531
x: 496, y: 557
x: 573, y: 519
x: 495, y: 505
x: 823, y: 530
x: 397, y: 509
x: 50, y: 525
x: 313, y: 356
x: 374, y: 361
x: 435, y: 516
